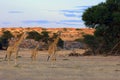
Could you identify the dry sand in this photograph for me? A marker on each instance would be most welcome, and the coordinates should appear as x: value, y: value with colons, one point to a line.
x: 65, y: 68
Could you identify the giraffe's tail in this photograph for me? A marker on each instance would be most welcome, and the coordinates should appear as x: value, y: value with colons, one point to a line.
x: 48, y: 58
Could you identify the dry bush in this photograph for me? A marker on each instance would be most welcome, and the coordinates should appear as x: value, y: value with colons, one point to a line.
x: 87, y: 53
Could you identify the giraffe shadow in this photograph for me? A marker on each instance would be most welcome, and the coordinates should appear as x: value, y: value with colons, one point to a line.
x: 118, y: 64
x: 65, y: 59
x: 117, y: 70
x: 7, y: 60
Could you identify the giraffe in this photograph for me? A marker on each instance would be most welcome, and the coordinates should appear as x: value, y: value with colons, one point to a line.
x: 15, y: 48
x: 34, y: 52
x: 53, y: 47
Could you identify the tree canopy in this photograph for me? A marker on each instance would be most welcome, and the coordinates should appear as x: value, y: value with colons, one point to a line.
x: 44, y: 37
x: 34, y: 35
x: 4, y: 39
x: 105, y: 18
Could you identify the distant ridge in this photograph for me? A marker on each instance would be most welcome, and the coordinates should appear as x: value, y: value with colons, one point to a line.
x: 68, y: 34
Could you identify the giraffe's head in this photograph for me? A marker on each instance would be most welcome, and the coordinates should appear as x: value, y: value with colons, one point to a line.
x: 59, y: 33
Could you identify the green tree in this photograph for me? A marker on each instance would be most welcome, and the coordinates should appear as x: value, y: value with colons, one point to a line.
x: 105, y: 18
x: 7, y: 35
x: 4, y: 39
x: 45, y: 36
x: 34, y: 35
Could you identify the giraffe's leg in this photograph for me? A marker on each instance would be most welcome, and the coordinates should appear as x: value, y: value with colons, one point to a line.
x: 5, y: 57
x: 16, y: 56
x: 8, y: 52
x: 48, y: 58
x: 15, y: 59
x: 49, y: 54
x: 32, y: 56
x: 35, y: 56
x: 54, y: 56
x: 8, y: 60
x: 9, y: 56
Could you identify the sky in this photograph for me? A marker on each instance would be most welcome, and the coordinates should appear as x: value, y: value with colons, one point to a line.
x: 44, y: 13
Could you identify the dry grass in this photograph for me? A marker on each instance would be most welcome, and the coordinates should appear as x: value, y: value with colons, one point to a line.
x: 65, y: 68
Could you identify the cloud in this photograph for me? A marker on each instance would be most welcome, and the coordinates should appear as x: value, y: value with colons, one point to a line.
x: 70, y: 24
x: 6, y: 23
x: 76, y: 13
x: 35, y: 22
x: 75, y: 21
x: 71, y: 11
x: 83, y: 7
x: 15, y: 12
x: 78, y: 9
x: 70, y: 15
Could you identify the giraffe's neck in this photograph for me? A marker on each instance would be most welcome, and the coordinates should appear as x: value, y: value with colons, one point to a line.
x: 17, y: 43
x: 37, y: 47
x: 56, y: 40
